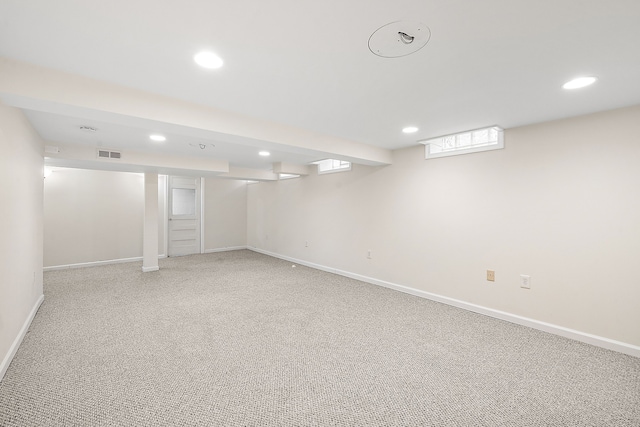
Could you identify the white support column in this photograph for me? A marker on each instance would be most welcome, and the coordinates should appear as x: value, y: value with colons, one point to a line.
x: 150, y: 240
x: 202, y: 180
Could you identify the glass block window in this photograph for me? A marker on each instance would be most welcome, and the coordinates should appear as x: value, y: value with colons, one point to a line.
x: 491, y: 138
x: 332, y: 165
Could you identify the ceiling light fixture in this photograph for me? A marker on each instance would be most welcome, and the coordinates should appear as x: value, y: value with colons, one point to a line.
x: 264, y: 153
x: 580, y: 82
x: 410, y: 129
x: 208, y: 59
x: 157, y: 138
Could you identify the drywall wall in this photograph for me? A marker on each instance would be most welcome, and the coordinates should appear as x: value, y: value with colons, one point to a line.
x: 92, y: 216
x: 225, y: 214
x: 560, y: 203
x: 21, y: 169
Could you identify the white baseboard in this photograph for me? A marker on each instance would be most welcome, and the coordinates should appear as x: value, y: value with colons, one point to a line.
x: 150, y: 269
x: 96, y: 263
x: 134, y: 259
x: 92, y: 264
x: 16, y: 343
x: 598, y: 341
x: 229, y: 248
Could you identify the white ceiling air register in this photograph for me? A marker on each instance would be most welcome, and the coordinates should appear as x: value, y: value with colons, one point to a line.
x: 109, y: 154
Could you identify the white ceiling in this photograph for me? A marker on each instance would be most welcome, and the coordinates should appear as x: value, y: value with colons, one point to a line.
x: 306, y: 64
x: 181, y: 142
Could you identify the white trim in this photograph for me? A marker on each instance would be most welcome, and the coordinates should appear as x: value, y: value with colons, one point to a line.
x: 96, y: 263
x: 16, y: 343
x: 92, y: 263
x: 619, y: 346
x: 150, y: 269
x: 227, y: 249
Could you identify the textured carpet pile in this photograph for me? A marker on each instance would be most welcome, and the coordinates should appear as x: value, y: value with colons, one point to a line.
x: 243, y: 339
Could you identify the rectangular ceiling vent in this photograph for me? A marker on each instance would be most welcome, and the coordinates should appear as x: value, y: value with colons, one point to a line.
x: 108, y: 154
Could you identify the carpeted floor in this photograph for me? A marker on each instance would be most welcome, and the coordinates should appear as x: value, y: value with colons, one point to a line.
x: 243, y: 339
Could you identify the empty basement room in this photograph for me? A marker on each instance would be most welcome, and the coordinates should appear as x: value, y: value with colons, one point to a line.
x: 414, y: 213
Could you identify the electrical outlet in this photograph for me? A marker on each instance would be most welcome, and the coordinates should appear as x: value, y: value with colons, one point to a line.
x: 491, y: 275
x: 369, y: 254
x: 525, y: 281
x: 306, y: 243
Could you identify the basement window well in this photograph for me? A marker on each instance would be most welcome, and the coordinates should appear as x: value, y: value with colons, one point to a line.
x: 332, y: 165
x: 491, y: 138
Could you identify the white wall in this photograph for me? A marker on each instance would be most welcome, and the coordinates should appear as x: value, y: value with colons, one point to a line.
x: 21, y: 168
x: 92, y: 216
x: 560, y: 203
x: 225, y: 213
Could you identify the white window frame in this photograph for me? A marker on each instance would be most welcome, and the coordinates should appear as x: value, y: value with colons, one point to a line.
x: 340, y: 166
x: 496, y: 144
x: 287, y: 176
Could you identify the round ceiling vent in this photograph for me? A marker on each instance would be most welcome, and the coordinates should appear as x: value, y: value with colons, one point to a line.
x: 399, y: 38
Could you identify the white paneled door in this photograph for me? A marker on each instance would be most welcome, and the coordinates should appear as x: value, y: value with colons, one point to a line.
x: 184, y: 216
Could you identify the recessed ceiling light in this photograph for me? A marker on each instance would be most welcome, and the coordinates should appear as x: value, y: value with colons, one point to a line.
x: 264, y: 153
x: 579, y: 82
x: 410, y: 129
x: 157, y: 138
x: 208, y: 59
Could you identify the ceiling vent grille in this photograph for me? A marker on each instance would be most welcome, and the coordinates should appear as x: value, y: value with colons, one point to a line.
x: 107, y: 154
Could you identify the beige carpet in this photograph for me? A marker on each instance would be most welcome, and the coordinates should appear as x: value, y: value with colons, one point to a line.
x: 243, y: 339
